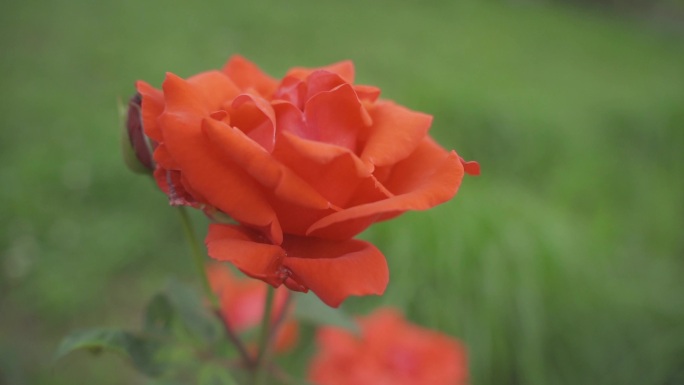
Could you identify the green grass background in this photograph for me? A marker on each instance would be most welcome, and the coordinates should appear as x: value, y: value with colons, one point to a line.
x: 561, y: 264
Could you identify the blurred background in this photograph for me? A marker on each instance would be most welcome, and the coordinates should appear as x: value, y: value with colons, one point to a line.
x: 561, y: 264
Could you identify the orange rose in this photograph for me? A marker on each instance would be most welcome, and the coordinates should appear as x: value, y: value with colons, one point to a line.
x: 389, y: 351
x: 302, y: 164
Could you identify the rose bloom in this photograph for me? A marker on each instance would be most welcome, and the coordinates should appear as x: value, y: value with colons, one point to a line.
x: 388, y: 351
x: 302, y: 164
x: 242, y: 305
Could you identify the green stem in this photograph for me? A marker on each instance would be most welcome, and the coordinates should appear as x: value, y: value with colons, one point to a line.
x: 233, y: 337
x: 260, y: 371
x: 197, y: 255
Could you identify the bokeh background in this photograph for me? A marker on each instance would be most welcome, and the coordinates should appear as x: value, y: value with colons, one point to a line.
x: 561, y: 264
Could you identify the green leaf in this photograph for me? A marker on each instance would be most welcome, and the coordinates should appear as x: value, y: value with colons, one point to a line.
x: 159, y: 316
x: 308, y: 308
x: 140, y: 350
x: 192, y: 312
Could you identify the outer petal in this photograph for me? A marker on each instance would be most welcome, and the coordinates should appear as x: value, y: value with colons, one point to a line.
x: 152, y: 106
x: 223, y: 184
x: 428, y: 177
x: 169, y: 181
x: 215, y: 87
x: 344, y: 68
x: 247, y: 75
x: 258, y: 163
x: 243, y: 248
x: 395, y: 133
x: 335, y: 270
x: 367, y: 93
x: 163, y: 158
x: 429, y: 166
x: 471, y: 167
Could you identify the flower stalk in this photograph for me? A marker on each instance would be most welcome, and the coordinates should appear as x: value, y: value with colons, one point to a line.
x: 198, y: 256
x: 260, y: 371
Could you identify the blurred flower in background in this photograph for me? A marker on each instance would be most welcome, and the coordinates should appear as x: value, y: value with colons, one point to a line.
x: 389, y: 351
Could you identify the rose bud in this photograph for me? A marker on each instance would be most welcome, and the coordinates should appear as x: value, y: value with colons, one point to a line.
x: 135, y: 145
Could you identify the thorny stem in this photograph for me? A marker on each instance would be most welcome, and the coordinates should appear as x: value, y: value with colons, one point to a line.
x: 260, y: 365
x: 262, y: 358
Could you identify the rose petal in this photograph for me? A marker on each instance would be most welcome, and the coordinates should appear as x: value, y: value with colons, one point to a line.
x: 223, y: 184
x: 293, y: 90
x: 152, y: 107
x: 432, y: 357
x: 367, y: 93
x: 181, y: 96
x: 215, y: 87
x: 295, y: 219
x: 321, y: 81
x: 203, y: 95
x: 256, y: 118
x: 429, y: 166
x: 290, y: 119
x: 335, y: 172
x: 428, y: 177
x: 389, y: 350
x: 338, y: 342
x: 293, y: 148
x: 336, y: 116
x: 244, y: 249
x: 248, y: 76
x: 345, y: 69
x: 471, y: 167
x: 263, y: 167
x: 334, y: 270
x: 395, y: 133
x: 170, y: 182
x: 163, y: 158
